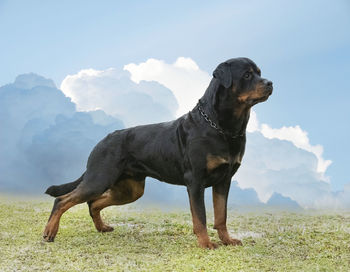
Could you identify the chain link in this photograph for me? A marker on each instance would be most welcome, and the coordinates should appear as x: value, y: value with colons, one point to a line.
x: 215, y: 126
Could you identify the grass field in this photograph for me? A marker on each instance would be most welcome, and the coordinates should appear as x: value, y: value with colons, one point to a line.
x: 153, y: 240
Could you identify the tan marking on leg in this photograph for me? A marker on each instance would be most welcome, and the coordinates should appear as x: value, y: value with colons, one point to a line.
x: 138, y: 188
x: 127, y: 191
x: 220, y: 215
x: 124, y: 192
x: 215, y: 161
x: 200, y: 230
x: 51, y: 229
x: 96, y: 206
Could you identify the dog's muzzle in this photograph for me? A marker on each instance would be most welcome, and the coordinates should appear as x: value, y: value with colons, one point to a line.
x: 268, y: 87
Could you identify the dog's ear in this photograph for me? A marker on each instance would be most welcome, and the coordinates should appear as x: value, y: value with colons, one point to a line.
x: 223, y: 74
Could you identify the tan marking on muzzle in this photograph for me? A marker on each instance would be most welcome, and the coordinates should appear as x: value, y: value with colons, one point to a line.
x: 257, y: 93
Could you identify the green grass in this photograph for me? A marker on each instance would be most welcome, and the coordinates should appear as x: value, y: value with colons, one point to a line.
x: 149, y: 240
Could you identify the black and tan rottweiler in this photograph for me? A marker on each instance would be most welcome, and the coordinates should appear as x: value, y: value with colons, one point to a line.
x: 203, y: 148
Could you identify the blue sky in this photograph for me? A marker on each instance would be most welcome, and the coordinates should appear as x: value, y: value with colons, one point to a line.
x: 302, y: 46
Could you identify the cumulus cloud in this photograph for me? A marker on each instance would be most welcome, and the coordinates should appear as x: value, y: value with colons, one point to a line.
x: 20, y: 103
x: 43, y: 139
x: 300, y: 139
x: 112, y: 91
x: 253, y: 124
x: 272, y: 165
x: 295, y: 135
x: 183, y: 78
x: 58, y: 154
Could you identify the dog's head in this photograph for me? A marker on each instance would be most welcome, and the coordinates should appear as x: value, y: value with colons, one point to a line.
x: 242, y: 82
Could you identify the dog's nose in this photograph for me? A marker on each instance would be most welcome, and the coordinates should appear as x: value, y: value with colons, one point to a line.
x: 268, y: 85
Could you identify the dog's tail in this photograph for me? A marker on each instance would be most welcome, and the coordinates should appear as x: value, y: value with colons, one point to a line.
x: 58, y: 190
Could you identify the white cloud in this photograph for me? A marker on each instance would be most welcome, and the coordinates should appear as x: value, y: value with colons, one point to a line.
x: 272, y: 165
x: 300, y: 139
x: 183, y: 78
x: 112, y: 91
x: 283, y: 160
x: 253, y: 124
x: 295, y: 135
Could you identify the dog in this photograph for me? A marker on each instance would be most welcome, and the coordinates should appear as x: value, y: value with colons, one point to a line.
x: 201, y: 149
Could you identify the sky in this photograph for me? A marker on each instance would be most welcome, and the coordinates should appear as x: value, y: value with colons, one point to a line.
x: 107, y: 49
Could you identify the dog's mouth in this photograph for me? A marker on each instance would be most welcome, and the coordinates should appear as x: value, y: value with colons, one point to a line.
x: 261, y: 99
x: 268, y: 88
x: 265, y: 95
x: 268, y: 93
x: 256, y: 96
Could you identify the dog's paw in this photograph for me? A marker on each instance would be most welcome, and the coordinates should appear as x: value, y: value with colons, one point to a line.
x: 48, y: 238
x: 49, y: 234
x: 231, y: 241
x: 105, y: 228
x: 208, y: 245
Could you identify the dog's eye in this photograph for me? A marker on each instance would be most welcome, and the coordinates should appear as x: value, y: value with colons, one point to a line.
x: 247, y: 75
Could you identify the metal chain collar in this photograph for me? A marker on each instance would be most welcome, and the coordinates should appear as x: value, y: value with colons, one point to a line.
x: 215, y: 126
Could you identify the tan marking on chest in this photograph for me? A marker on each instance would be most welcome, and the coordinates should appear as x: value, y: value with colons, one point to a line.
x: 215, y: 161
x: 238, y: 158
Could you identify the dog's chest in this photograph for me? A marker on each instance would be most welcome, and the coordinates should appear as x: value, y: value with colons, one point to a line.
x: 221, y: 167
x: 215, y: 162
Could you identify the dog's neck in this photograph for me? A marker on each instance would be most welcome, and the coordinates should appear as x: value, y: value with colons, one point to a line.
x: 232, y: 116
x: 227, y: 112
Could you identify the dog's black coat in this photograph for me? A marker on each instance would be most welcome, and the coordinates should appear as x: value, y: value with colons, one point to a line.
x: 187, y: 151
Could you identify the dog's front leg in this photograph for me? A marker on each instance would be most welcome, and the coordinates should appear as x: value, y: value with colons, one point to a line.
x: 196, y: 196
x: 220, y: 194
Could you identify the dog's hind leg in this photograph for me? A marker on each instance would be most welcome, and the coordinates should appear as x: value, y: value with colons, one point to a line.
x: 123, y: 192
x: 94, y: 184
x: 62, y: 204
x: 95, y: 206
